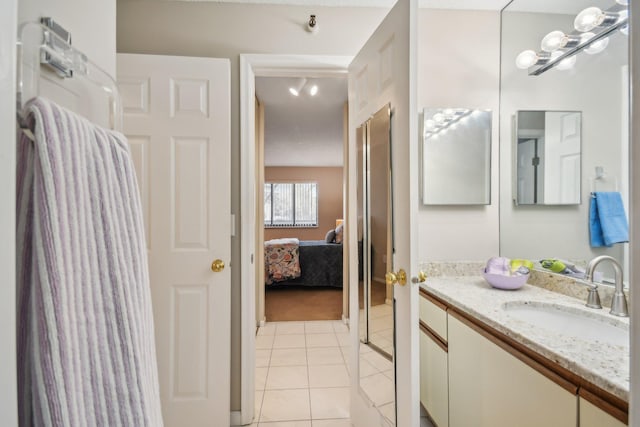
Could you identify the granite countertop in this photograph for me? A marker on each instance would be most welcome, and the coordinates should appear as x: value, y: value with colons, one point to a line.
x: 603, y: 364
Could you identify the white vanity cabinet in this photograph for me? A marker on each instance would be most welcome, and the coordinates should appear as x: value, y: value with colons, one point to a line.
x: 489, y: 386
x: 592, y: 416
x: 434, y: 380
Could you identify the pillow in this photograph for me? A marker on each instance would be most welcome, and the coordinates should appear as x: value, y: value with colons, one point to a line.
x: 330, y: 237
x: 339, y: 232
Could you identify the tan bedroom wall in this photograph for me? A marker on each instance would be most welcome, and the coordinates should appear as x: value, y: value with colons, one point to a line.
x: 329, y: 181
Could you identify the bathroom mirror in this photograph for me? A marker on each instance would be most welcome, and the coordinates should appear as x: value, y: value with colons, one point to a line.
x: 547, y: 157
x: 456, y: 156
x: 376, y: 326
x: 594, y: 83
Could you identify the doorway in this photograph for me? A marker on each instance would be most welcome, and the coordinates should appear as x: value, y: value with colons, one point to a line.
x: 300, y: 140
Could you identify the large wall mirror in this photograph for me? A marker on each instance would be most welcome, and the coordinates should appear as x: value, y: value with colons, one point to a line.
x: 376, y: 369
x: 547, y: 158
x: 456, y: 156
x: 581, y: 102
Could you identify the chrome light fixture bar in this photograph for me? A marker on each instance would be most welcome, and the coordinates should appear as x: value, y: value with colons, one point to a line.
x: 592, y: 28
x: 553, y: 61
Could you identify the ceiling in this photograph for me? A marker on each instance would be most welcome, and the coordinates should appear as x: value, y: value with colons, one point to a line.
x: 304, y: 130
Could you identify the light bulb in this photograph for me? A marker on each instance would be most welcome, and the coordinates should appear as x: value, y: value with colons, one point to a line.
x: 595, y: 47
x: 313, y: 90
x: 439, y: 117
x: 449, y: 112
x: 566, y: 63
x: 623, y: 14
x: 430, y: 124
x: 623, y: 2
x: 588, y: 19
x: 526, y: 59
x: 294, y: 91
x: 553, y: 41
x: 625, y: 29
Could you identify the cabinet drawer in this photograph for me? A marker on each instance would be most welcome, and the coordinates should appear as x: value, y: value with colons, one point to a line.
x: 433, y: 315
x: 434, y: 383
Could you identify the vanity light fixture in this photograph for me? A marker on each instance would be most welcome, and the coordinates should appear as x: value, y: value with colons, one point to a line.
x: 592, y: 28
x: 313, y: 90
x: 444, y: 119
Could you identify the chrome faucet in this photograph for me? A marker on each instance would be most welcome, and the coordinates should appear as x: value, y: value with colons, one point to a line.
x: 619, y: 302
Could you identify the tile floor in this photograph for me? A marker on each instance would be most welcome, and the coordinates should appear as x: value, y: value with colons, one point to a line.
x: 302, y: 378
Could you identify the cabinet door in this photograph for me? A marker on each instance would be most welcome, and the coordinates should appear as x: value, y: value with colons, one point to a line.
x: 592, y: 416
x: 488, y: 387
x: 434, y: 383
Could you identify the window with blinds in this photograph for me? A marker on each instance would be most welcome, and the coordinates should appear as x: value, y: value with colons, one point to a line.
x: 290, y: 204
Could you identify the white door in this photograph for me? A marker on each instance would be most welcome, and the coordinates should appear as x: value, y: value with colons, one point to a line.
x: 562, y: 157
x: 177, y: 119
x: 384, y: 71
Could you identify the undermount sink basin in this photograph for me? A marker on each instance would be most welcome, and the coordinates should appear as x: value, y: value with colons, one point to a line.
x: 586, y: 324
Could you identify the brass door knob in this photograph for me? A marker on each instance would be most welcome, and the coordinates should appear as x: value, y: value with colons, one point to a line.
x: 217, y: 266
x: 399, y: 278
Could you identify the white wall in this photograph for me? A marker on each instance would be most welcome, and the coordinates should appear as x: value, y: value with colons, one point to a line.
x: 226, y: 30
x: 458, y: 66
x: 8, y: 402
x: 594, y: 88
x: 92, y: 24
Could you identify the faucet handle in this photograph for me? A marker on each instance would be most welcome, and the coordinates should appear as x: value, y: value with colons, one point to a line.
x: 593, y: 299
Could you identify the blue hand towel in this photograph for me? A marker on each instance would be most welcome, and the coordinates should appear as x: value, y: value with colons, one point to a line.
x: 607, y: 220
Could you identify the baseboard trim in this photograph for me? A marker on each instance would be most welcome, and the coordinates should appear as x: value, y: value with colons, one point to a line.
x: 236, y: 418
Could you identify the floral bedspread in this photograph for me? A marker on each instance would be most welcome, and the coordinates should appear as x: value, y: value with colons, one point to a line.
x: 281, y: 260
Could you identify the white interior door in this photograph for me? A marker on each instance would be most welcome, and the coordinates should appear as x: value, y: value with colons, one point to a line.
x: 177, y: 119
x: 384, y: 71
x: 562, y: 157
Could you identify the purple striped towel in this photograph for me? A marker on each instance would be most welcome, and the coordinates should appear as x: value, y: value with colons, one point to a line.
x: 86, y: 350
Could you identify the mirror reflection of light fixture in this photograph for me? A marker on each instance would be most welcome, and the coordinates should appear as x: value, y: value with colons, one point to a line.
x: 443, y: 119
x: 295, y: 90
x: 592, y: 28
x: 313, y: 90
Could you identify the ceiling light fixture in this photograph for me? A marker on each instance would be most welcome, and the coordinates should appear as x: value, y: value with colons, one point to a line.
x: 443, y: 119
x: 558, y: 49
x: 313, y: 90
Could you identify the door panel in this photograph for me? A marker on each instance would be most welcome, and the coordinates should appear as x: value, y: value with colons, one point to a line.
x: 177, y: 119
x: 384, y: 72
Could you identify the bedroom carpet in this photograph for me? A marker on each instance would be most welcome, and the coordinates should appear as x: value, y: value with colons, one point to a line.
x: 302, y: 303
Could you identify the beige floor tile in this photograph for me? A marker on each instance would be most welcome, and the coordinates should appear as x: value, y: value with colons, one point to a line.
x: 339, y: 327
x: 264, y: 342
x: 287, y: 377
x: 367, y: 369
x: 344, y: 339
x: 389, y: 411
x: 306, y: 423
x: 328, y: 376
x: 378, y: 361
x: 267, y: 329
x: 257, y: 405
x: 379, y: 388
x: 289, y: 341
x: 324, y: 356
x: 261, y: 378
x: 285, y: 405
x: 285, y: 328
x: 288, y: 357
x: 319, y: 327
x: 346, y: 422
x: 329, y: 403
x: 262, y: 358
x: 322, y: 340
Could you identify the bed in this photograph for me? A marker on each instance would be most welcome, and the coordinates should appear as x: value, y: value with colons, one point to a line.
x: 319, y: 263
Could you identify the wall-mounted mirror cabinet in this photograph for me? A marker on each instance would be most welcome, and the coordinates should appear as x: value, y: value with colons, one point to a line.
x: 456, y: 156
x: 547, y: 157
